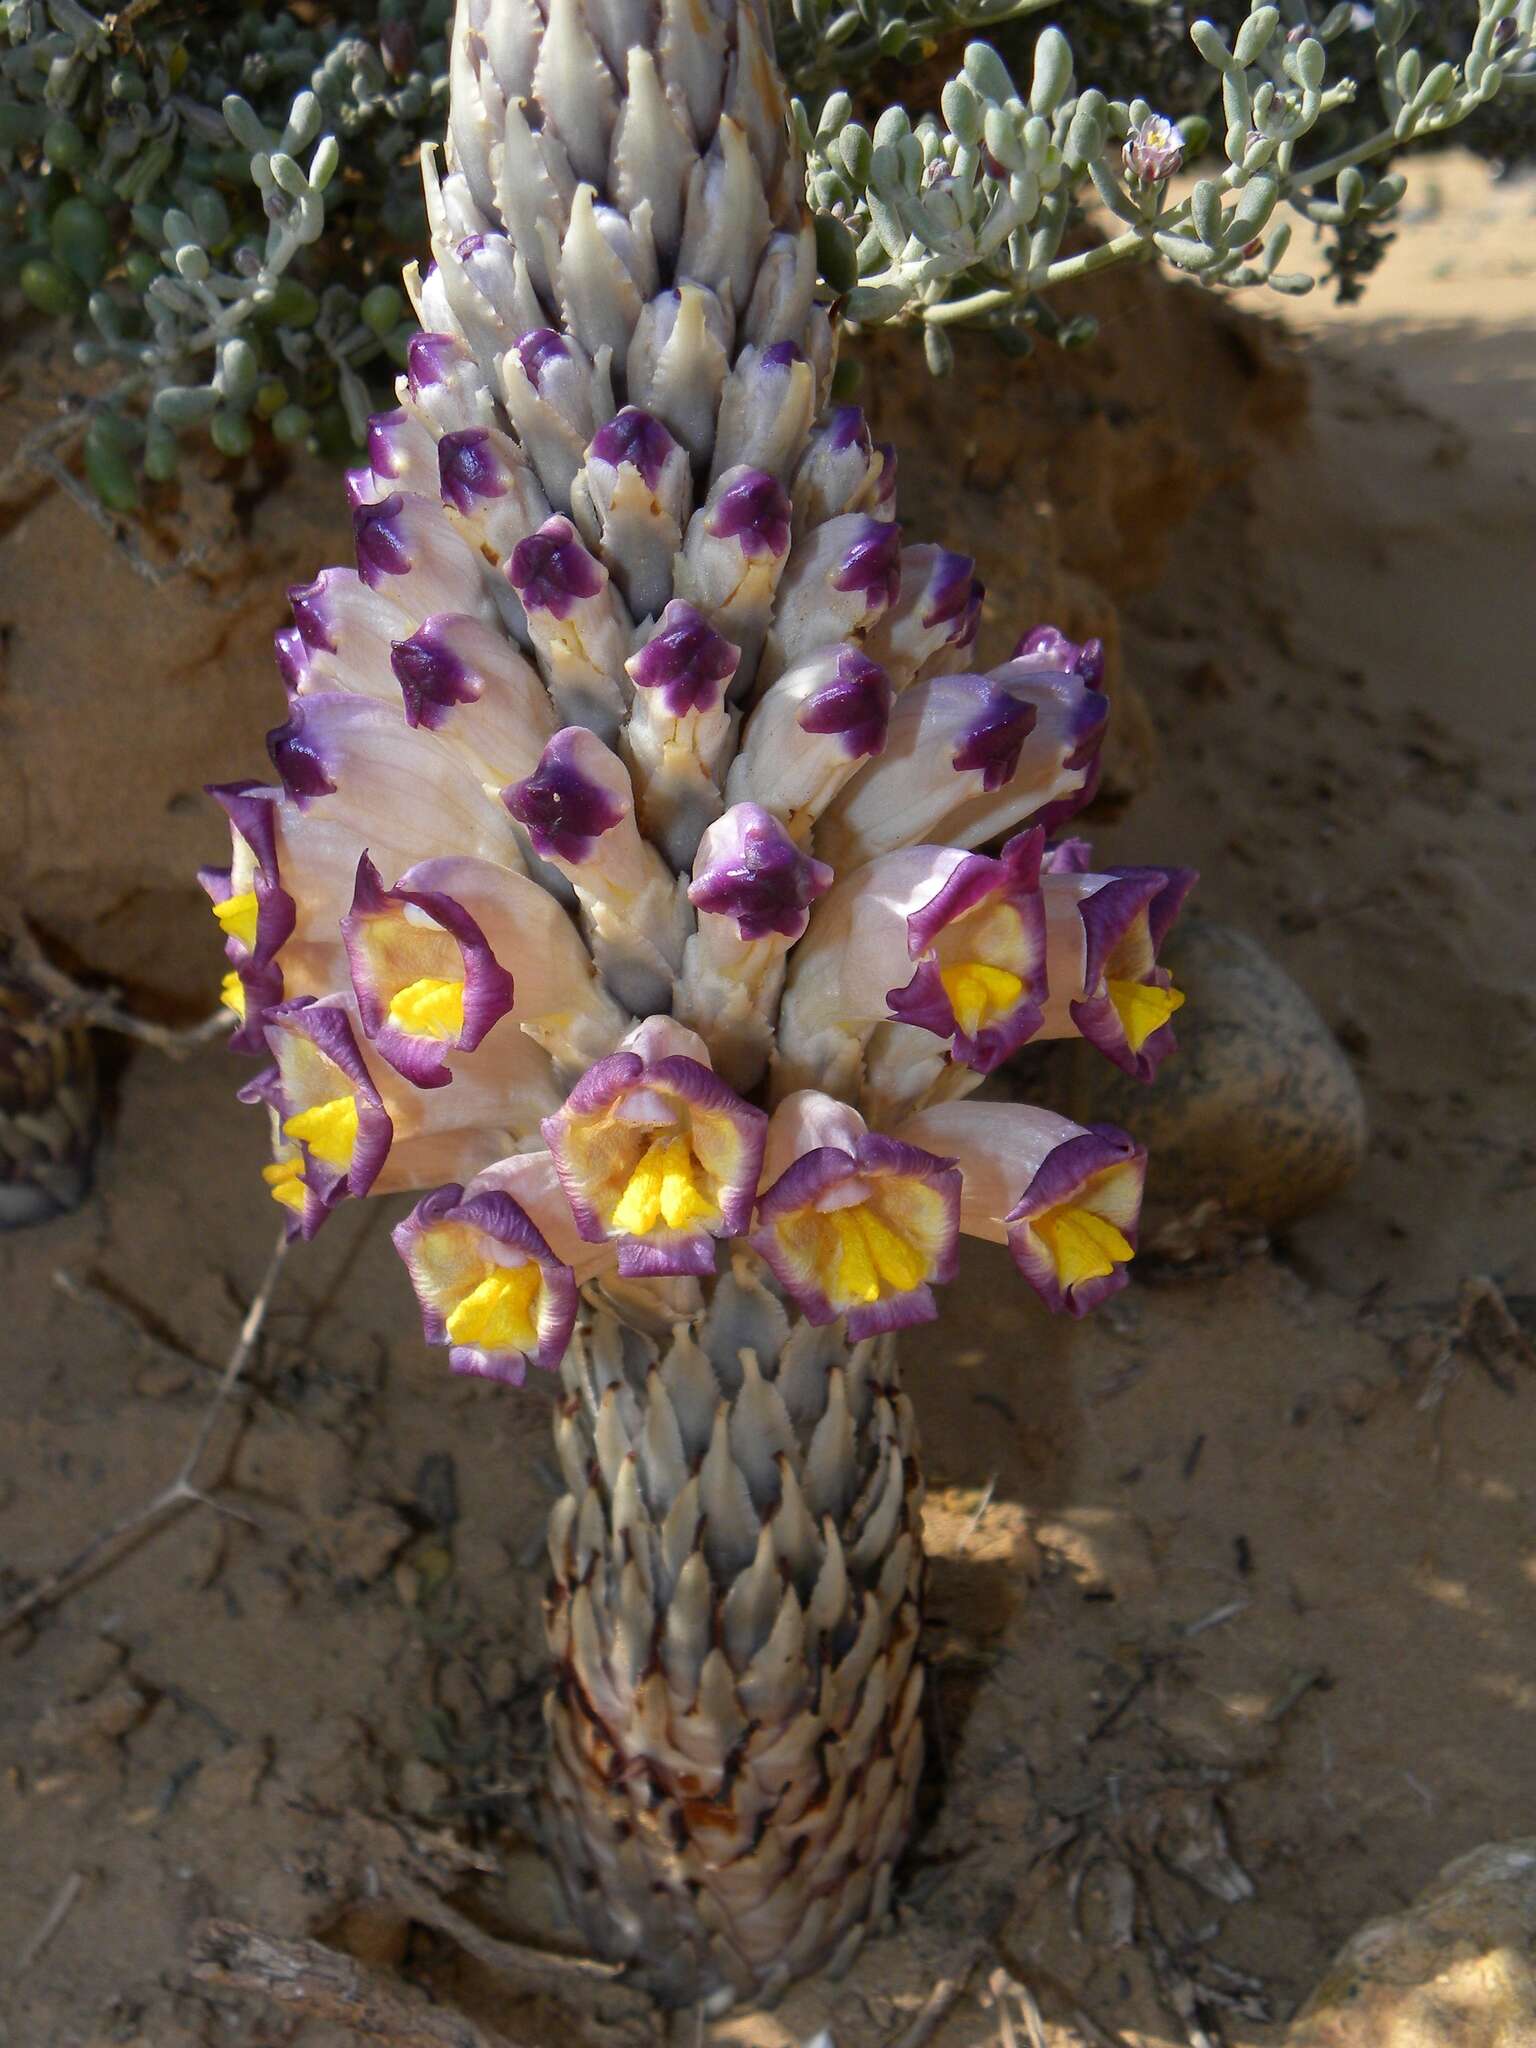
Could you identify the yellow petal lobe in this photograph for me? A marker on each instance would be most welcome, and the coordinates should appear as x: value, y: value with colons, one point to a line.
x: 285, y: 1180
x: 1142, y: 1009
x: 232, y: 995
x: 1082, y: 1245
x: 869, y: 1259
x: 663, y: 1188
x: 498, y: 1315
x: 430, y: 1008
x: 329, y: 1129
x: 979, y: 993
x: 237, y: 917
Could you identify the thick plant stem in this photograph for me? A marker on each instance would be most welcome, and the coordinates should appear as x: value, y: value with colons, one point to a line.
x: 734, y: 1613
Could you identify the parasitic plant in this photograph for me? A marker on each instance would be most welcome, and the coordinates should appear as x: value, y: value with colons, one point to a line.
x: 627, y: 887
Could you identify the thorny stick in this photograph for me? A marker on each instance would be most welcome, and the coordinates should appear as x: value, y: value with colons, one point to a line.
x: 307, y: 1980
x: 180, y: 1493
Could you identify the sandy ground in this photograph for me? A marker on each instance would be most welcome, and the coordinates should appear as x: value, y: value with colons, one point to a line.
x: 1233, y: 1586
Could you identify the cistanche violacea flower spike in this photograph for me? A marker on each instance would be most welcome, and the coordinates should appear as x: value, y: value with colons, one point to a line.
x: 649, y: 878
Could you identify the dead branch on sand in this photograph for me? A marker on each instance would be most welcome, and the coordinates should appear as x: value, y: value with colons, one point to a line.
x: 309, y: 1981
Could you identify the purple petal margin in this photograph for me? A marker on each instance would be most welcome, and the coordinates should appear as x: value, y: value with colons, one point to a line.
x: 995, y: 738
x: 551, y: 570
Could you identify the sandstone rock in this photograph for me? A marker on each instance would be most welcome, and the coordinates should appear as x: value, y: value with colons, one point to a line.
x: 1258, y: 1111
x: 1457, y: 1969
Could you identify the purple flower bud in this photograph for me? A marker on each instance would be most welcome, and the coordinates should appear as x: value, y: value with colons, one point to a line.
x: 995, y: 738
x: 563, y: 811
x: 432, y: 677
x: 469, y: 468
x: 379, y: 535
x: 551, y: 570
x: 292, y: 657
x: 752, y: 872
x: 856, y: 704
x: 872, y: 564
x: 847, y: 428
x: 637, y: 438
x: 297, y: 757
x: 429, y: 358
x: 755, y: 512
x: 311, y: 619
x: 686, y: 659
x: 1053, y: 649
x: 536, y: 350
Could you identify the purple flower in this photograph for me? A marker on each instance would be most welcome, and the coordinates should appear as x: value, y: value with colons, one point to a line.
x: 488, y: 1283
x: 1154, y: 151
x: 333, y: 1129
x: 425, y: 984
x: 852, y: 1223
x: 470, y: 468
x: 658, y: 1154
x: 1104, y: 932
x: 1065, y: 1198
x: 255, y: 912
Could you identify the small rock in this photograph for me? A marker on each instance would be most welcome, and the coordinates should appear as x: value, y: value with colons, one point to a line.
x: 164, y: 1377
x: 1258, y: 1110
x: 1456, y: 1969
x: 93, y: 1723
x: 228, y: 1783
x: 360, y: 1546
x: 85, y: 1666
x: 422, y: 1785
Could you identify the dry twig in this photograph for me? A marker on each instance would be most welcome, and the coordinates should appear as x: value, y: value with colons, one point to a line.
x: 52, y: 1921
x: 182, y: 1492
x: 97, y: 1008
x: 946, y: 1993
x: 306, y: 1979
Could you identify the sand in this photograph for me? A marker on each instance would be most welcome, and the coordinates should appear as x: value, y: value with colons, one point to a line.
x: 1233, y: 1586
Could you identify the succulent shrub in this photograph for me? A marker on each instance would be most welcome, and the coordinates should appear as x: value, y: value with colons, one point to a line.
x: 220, y: 206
